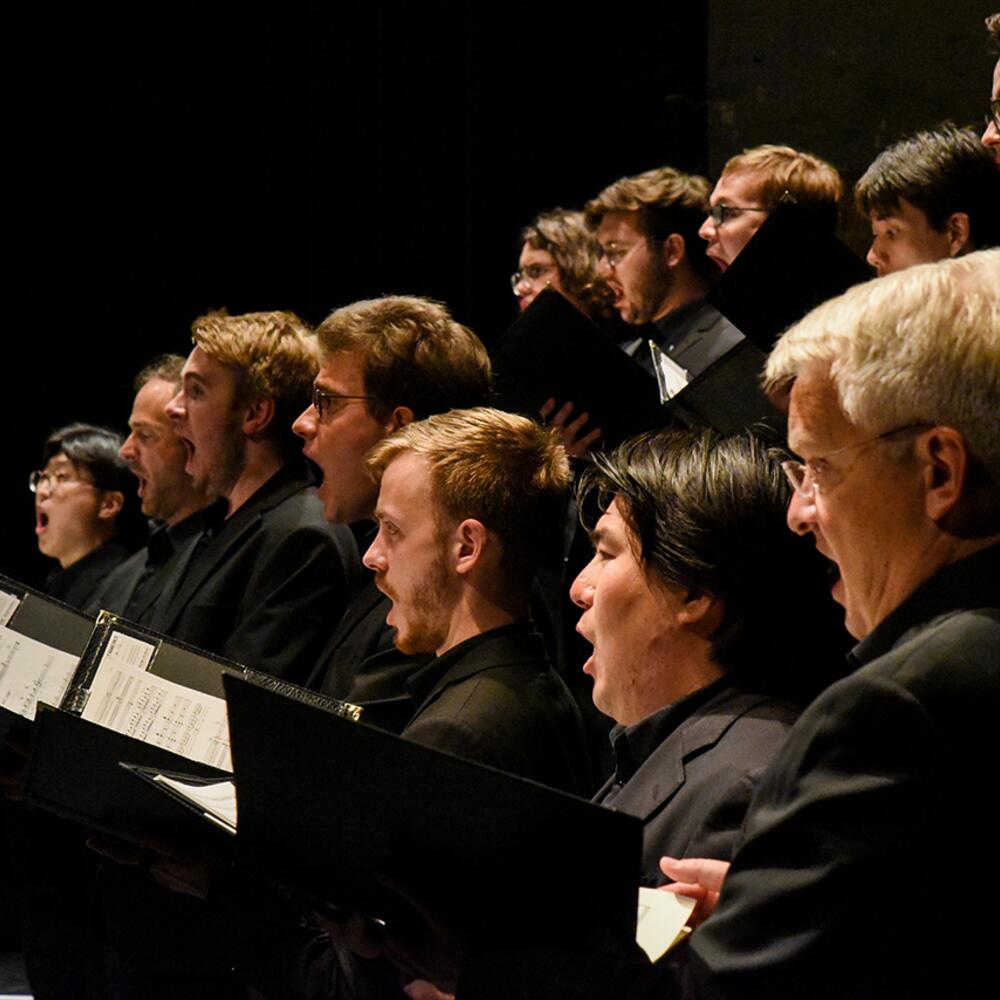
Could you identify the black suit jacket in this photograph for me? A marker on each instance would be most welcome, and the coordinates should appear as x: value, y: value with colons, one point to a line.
x: 267, y: 586
x: 496, y: 700
x: 689, y: 771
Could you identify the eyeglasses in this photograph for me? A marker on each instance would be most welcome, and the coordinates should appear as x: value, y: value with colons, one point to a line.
x: 53, y: 481
x: 993, y: 115
x: 614, y: 255
x: 805, y: 477
x: 328, y: 403
x: 530, y: 275
x: 721, y: 214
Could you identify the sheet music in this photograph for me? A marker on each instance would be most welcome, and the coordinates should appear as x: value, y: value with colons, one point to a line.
x: 662, y: 920
x: 154, y: 710
x: 9, y: 603
x: 217, y: 801
x: 31, y: 672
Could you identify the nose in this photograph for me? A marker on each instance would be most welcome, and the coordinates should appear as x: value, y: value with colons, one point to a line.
x: 707, y: 229
x: 373, y: 558
x: 175, y: 408
x: 991, y: 139
x: 801, y: 515
x: 872, y: 256
x: 581, y: 592
x: 127, y: 450
x: 305, y: 423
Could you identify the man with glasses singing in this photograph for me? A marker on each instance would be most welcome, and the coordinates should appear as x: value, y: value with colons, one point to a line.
x: 751, y: 186
x: 655, y: 266
x: 385, y: 363
x: 867, y: 868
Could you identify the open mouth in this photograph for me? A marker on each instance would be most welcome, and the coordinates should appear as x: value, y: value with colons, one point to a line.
x: 41, y: 522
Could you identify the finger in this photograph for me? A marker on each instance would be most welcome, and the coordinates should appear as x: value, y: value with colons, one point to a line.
x: 420, y: 989
x: 707, y: 872
x: 578, y: 424
x: 546, y: 408
x: 563, y: 415
x: 588, y: 439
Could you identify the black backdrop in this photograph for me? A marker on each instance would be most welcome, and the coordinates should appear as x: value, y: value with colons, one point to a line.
x: 170, y: 158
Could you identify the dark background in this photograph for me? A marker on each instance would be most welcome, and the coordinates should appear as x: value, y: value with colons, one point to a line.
x: 165, y: 159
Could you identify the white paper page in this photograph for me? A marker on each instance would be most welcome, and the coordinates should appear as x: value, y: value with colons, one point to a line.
x: 9, y: 603
x: 31, y: 672
x: 670, y: 376
x: 126, y: 651
x: 218, y: 800
x: 160, y: 712
x: 662, y: 917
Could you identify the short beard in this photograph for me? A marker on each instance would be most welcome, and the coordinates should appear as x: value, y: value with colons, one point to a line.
x: 429, y: 613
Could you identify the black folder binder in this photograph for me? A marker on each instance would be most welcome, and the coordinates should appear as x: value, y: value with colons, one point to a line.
x: 334, y: 805
x: 553, y: 350
x: 793, y: 263
x: 74, y: 765
x: 73, y: 768
x: 48, y: 621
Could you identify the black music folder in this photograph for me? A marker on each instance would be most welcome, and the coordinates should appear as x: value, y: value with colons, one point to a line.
x: 339, y: 811
x: 794, y: 263
x: 41, y: 642
x: 136, y: 696
x: 553, y: 350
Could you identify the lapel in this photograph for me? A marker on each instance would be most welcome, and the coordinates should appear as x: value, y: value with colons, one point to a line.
x: 200, y: 563
x: 663, y: 772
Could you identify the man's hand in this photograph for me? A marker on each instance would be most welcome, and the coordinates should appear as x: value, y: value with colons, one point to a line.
x: 575, y: 445
x: 699, y: 878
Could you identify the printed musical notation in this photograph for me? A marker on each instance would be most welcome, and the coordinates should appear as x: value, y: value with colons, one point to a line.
x: 31, y: 672
x: 127, y: 699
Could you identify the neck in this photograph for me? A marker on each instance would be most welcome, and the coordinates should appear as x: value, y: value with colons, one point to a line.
x: 263, y: 460
x: 687, y: 287
x: 84, y: 549
x: 191, y: 507
x: 477, y: 613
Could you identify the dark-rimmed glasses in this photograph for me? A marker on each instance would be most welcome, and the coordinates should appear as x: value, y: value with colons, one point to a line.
x: 328, y: 403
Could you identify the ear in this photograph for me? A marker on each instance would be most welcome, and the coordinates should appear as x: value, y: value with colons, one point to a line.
x: 959, y: 233
x: 702, y: 613
x: 111, y: 504
x: 257, y: 417
x: 673, y: 250
x: 469, y: 543
x: 400, y: 417
x: 946, y: 460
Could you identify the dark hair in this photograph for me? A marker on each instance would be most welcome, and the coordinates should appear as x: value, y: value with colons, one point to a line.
x: 707, y: 513
x: 412, y: 353
x: 96, y: 449
x: 940, y: 172
x: 166, y: 367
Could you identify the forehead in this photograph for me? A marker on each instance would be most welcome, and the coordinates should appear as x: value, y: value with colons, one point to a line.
x: 816, y: 423
x: 205, y: 368
x: 532, y: 255
x: 405, y: 491
x: 905, y: 213
x: 60, y: 463
x: 739, y: 186
x: 342, y: 372
x: 151, y: 400
x: 619, y: 227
